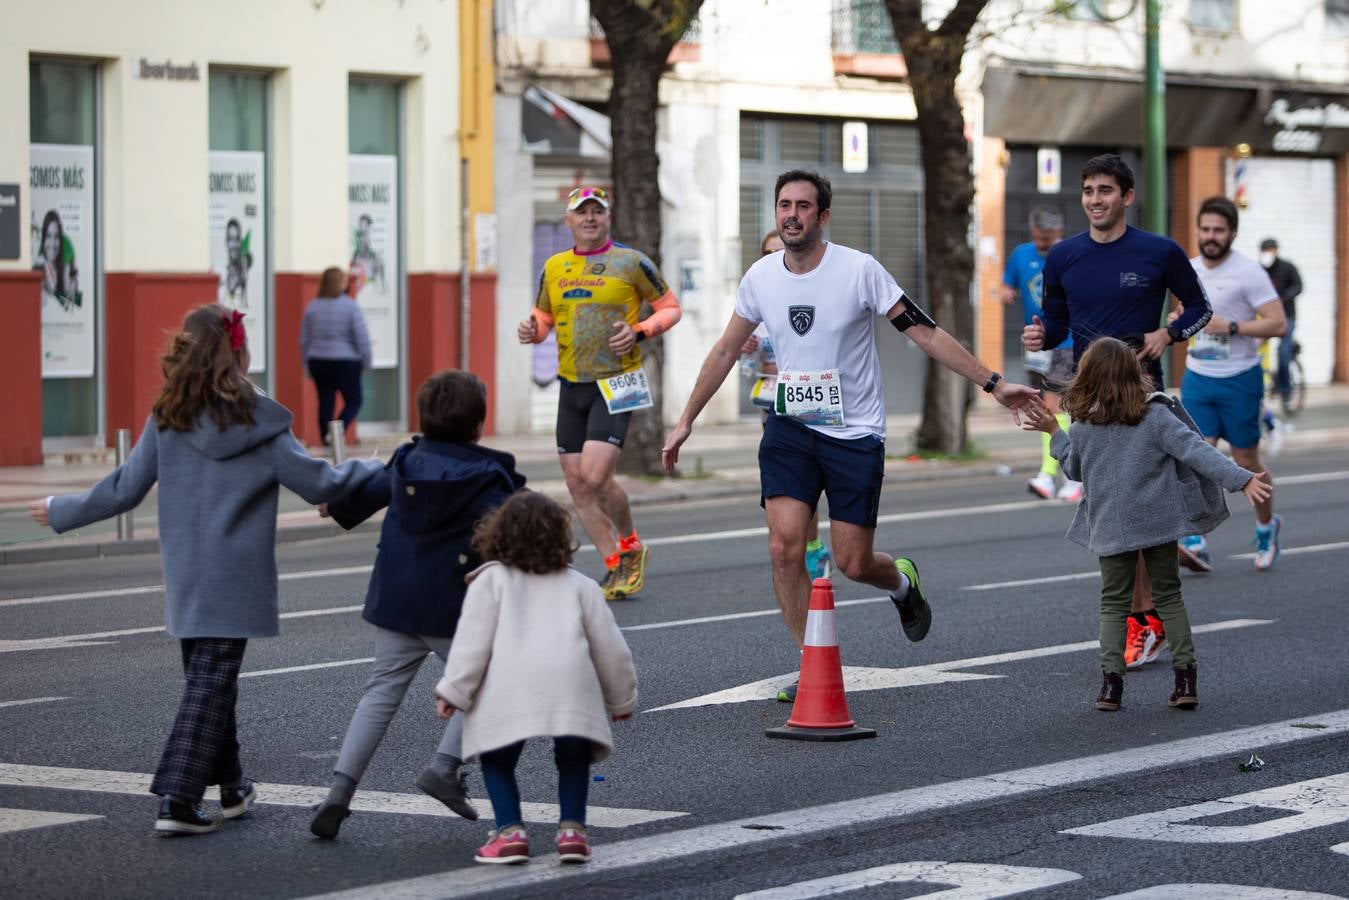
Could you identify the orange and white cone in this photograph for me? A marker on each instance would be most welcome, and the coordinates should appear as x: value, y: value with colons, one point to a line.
x: 821, y: 709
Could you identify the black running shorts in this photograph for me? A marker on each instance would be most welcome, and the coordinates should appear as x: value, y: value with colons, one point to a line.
x: 799, y: 462
x: 582, y: 416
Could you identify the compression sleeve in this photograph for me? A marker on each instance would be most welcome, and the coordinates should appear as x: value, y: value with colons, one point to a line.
x: 1054, y: 314
x: 665, y: 313
x: 1183, y: 281
x: 543, y: 323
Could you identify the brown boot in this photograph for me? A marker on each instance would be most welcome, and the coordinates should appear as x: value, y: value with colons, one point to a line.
x: 1186, y: 694
x: 1112, y: 692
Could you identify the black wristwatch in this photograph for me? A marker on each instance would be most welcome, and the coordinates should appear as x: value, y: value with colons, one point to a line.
x: 992, y: 382
x: 1174, y: 333
x: 1232, y: 328
x: 641, y: 335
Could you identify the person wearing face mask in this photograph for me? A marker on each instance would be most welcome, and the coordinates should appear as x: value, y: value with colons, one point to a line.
x: 1288, y: 284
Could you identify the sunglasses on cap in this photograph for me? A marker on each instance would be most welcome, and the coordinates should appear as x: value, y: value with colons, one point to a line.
x: 582, y: 194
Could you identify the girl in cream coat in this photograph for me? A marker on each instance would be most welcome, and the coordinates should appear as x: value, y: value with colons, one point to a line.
x: 537, y: 653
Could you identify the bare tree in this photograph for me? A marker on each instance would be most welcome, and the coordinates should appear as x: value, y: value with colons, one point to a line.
x: 640, y: 35
x: 933, y: 57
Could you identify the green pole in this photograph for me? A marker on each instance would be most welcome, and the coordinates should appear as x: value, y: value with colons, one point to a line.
x: 1154, y: 136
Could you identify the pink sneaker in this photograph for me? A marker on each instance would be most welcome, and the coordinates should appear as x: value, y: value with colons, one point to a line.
x: 572, y: 846
x: 505, y: 847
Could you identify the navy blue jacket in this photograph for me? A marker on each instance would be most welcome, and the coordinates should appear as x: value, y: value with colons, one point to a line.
x: 436, y: 493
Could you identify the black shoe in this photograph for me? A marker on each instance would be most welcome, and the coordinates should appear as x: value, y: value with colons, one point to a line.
x: 180, y: 817
x: 915, y: 616
x: 1186, y: 694
x: 788, y: 694
x: 237, y: 800
x: 452, y: 791
x: 328, y: 819
x: 1112, y: 692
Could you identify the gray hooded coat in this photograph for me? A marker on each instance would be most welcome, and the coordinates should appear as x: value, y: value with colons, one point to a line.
x: 217, y: 514
x: 1146, y: 484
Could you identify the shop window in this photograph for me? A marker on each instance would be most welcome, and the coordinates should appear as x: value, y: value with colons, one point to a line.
x: 1214, y: 15
x: 375, y: 230
x: 1337, y: 18
x: 756, y: 220
x: 238, y: 216
x: 751, y: 138
x: 62, y: 130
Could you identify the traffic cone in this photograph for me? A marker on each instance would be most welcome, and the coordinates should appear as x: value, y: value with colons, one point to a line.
x: 821, y: 709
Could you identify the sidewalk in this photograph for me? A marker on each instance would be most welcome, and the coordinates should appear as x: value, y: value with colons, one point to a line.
x: 718, y: 461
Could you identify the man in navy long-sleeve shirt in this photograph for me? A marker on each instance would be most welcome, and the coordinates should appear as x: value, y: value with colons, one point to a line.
x: 1112, y: 281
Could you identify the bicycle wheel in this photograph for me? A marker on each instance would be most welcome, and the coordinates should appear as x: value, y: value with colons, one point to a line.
x: 1297, y: 394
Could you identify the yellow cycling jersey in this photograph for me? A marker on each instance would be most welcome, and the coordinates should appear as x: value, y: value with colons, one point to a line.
x: 584, y: 294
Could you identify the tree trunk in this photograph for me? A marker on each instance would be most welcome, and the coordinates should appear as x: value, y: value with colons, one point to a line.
x: 640, y: 38
x: 933, y: 59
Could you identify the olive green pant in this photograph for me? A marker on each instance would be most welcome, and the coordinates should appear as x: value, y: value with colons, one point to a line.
x: 1117, y: 589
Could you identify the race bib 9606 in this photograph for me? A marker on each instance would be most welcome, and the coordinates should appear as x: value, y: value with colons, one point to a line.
x: 627, y: 392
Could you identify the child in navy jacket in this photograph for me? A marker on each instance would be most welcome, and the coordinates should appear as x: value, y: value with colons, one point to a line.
x: 436, y: 487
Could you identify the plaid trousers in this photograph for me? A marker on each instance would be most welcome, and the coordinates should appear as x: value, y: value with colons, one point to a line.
x: 202, y: 748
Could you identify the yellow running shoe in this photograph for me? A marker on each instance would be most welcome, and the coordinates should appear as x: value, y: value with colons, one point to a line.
x: 631, y: 571
x: 609, y: 584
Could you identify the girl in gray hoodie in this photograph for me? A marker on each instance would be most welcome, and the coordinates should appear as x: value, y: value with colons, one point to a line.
x: 219, y: 449
x: 1149, y: 478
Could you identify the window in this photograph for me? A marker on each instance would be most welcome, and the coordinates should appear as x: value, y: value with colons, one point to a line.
x: 62, y: 133
x: 862, y: 26
x: 1213, y: 15
x: 1337, y: 18
x: 374, y: 179
x: 237, y: 204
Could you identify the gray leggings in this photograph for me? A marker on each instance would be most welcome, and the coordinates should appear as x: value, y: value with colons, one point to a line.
x: 397, y: 658
x: 1118, y: 573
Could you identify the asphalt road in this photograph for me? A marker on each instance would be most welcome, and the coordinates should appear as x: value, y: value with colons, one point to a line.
x: 989, y: 750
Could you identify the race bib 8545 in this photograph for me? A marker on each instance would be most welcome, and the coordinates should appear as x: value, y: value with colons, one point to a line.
x: 813, y: 398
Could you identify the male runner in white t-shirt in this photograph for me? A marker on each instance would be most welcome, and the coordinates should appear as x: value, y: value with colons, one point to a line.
x: 1224, y: 383
x: 819, y: 302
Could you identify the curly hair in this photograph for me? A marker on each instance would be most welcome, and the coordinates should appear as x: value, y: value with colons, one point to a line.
x: 1109, y: 386
x: 529, y: 532
x: 204, y: 375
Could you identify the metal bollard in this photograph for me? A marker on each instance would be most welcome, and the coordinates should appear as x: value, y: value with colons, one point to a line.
x: 126, y: 528
x: 337, y: 439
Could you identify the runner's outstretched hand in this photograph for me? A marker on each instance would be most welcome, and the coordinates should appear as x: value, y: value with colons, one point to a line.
x: 1258, y: 490
x: 669, y: 454
x: 525, y: 331
x: 1014, y: 396
x: 623, y: 339
x: 1033, y: 335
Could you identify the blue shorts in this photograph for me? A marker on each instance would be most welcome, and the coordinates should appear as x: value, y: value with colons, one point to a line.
x: 1227, y: 408
x: 798, y: 462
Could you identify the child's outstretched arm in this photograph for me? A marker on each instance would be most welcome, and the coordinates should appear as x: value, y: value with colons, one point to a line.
x: 123, y: 489
x: 1187, y: 446
x: 314, y: 479
x: 1258, y: 490
x: 1035, y: 416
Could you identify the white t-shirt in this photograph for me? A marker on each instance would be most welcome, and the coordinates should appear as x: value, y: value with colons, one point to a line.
x: 1236, y: 287
x: 826, y: 319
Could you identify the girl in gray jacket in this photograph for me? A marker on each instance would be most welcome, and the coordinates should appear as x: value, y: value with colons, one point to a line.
x: 218, y: 449
x: 1149, y: 478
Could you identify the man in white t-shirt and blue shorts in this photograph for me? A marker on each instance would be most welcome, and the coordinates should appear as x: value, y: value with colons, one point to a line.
x: 819, y: 302
x: 1224, y: 383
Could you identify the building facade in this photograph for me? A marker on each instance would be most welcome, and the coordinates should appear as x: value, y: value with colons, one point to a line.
x: 231, y: 153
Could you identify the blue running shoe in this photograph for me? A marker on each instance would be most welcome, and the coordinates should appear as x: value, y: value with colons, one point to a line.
x: 1192, y: 553
x: 817, y: 560
x: 1267, y: 544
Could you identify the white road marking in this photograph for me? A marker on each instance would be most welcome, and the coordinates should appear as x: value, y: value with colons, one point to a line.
x: 1313, y: 804
x: 741, y: 835
x: 26, y: 819
x: 1027, y: 582
x: 304, y: 796
x: 727, y: 617
x: 33, y: 700
x: 1294, y: 551
x: 856, y: 678
x: 159, y: 588
x: 309, y: 668
x: 1196, y: 891
x: 1341, y: 848
x: 973, y: 881
x: 93, y: 639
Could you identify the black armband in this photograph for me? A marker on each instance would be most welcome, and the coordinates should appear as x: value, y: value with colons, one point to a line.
x: 911, y: 315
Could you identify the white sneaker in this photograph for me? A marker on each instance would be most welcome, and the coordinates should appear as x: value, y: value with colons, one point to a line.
x: 1071, y: 491
x: 1042, y: 485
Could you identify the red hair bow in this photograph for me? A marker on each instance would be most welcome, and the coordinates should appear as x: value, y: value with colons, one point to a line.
x: 234, y: 327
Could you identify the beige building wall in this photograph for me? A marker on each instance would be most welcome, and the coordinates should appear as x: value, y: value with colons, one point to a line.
x: 155, y: 132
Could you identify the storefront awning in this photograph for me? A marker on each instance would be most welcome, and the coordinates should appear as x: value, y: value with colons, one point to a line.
x: 1041, y: 107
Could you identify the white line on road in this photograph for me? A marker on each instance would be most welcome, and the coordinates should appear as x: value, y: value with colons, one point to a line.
x: 788, y: 827
x: 1294, y: 551
x: 26, y: 819
x: 93, y: 639
x: 33, y: 700
x: 304, y: 796
x: 867, y: 678
x: 159, y: 588
x: 1026, y: 582
x: 309, y: 668
x: 973, y: 881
